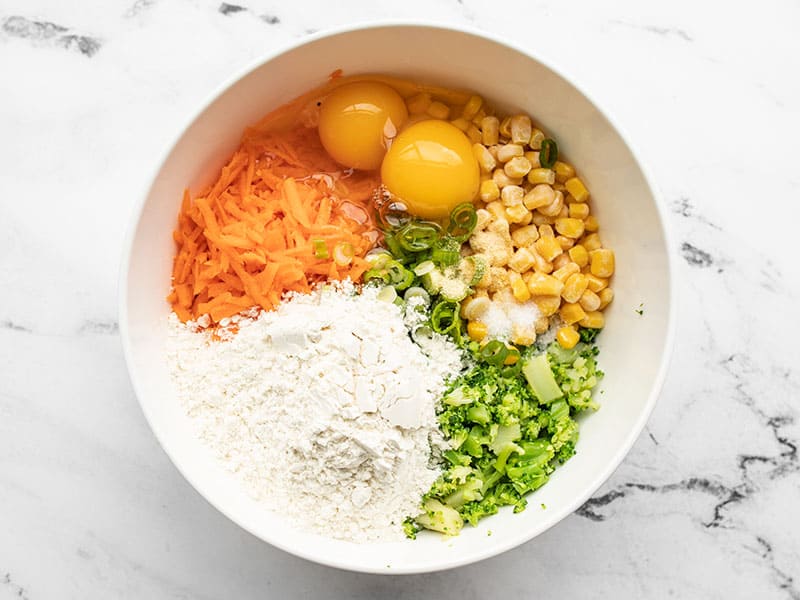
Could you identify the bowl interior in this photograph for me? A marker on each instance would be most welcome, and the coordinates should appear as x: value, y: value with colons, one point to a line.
x: 632, y: 347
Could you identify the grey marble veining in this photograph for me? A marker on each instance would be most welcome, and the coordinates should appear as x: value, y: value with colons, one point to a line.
x: 705, y: 505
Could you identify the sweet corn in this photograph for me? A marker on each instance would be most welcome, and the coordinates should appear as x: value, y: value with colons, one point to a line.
x: 496, y: 208
x: 508, y: 151
x: 519, y: 166
x: 593, y: 320
x: 574, y: 287
x: 540, y: 219
x: 523, y: 336
x: 533, y: 158
x: 475, y: 307
x: 546, y: 231
x: 561, y: 261
x: 579, y: 255
x: 513, y: 357
x: 483, y: 218
x: 576, y: 189
x: 571, y: 313
x: 565, y: 272
x: 547, y: 247
x: 592, y: 242
x: 476, y: 331
x: 541, y: 265
x: 474, y: 134
x: 571, y: 228
x: 518, y: 213
x: 567, y: 337
x: 537, y: 137
x: 541, y: 175
x: 489, y: 190
x: 505, y: 127
x: 540, y: 284
x: 461, y: 123
x: 472, y: 107
x: 565, y: 242
x: 521, y: 129
x: 520, y: 291
x: 486, y: 161
x: 596, y: 283
x: 438, y: 110
x: 590, y: 301
x: 541, y: 325
x: 502, y: 180
x: 564, y: 212
x: 522, y: 260
x: 606, y: 295
x: 547, y: 305
x: 602, y: 262
x: 563, y: 171
x: 591, y: 224
x: 540, y: 195
x: 524, y: 236
x: 554, y: 208
x: 418, y: 105
x: 490, y: 130
x: 512, y: 195
x: 578, y: 210
x: 501, y: 228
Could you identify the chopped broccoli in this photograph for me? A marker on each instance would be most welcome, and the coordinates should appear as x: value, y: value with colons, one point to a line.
x: 588, y: 335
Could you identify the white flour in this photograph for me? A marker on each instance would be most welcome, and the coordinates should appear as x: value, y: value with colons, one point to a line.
x: 324, y: 408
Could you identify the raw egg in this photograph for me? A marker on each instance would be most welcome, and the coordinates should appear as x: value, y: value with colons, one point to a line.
x: 431, y: 168
x: 357, y: 119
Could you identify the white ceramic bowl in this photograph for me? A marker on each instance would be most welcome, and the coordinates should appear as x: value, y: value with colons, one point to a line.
x: 634, y: 348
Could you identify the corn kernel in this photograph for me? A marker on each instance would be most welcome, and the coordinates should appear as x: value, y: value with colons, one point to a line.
x: 546, y: 231
x: 565, y: 272
x: 591, y: 242
x: 578, y: 210
x: 520, y: 291
x: 502, y: 180
x: 486, y: 161
x: 547, y: 247
x: 517, y: 167
x: 508, y: 151
x: 483, y: 218
x: 512, y: 195
x: 590, y: 301
x: 474, y: 134
x: 418, y: 105
x: 489, y: 190
x: 490, y: 130
x: 591, y: 224
x: 554, y: 208
x: 513, y: 357
x: 540, y: 264
x: 574, y: 287
x: 438, y: 110
x: 571, y: 313
x: 541, y: 325
x: 476, y: 330
x: 461, y: 123
x: 579, y: 255
x: 540, y: 195
x: 521, y: 261
x: 540, y: 284
x: 603, y: 262
x: 572, y: 228
x: 517, y: 214
x: 524, y: 236
x: 541, y: 175
x: 540, y: 219
x: 561, y: 261
x: 505, y: 127
x: 472, y: 107
x: 523, y: 336
x: 537, y: 137
x: 563, y: 171
x: 533, y: 158
x: 521, y: 129
x: 567, y: 337
x: 475, y: 307
x: 496, y: 209
x: 596, y: 284
x: 606, y: 295
x: 576, y: 189
x: 547, y: 305
x: 564, y: 212
x: 593, y: 320
x: 565, y: 242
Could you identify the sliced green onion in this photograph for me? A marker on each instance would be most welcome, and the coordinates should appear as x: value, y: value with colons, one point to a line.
x: 394, y: 246
x: 424, y: 268
x: 478, y: 268
x: 462, y: 221
x: 376, y: 275
x: 494, y: 353
x: 377, y: 254
x: 320, y: 249
x: 343, y: 253
x: 444, y: 317
x: 387, y: 294
x: 511, y: 371
x: 445, y: 258
x: 417, y: 292
x: 548, y: 154
x: 399, y: 276
x: 419, y: 236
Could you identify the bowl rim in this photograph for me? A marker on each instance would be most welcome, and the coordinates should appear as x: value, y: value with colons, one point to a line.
x: 594, y: 484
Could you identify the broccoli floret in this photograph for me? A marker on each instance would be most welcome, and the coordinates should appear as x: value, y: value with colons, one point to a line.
x: 588, y: 335
x: 411, y: 528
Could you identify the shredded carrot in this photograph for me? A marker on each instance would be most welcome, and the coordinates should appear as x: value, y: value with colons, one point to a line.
x: 249, y: 237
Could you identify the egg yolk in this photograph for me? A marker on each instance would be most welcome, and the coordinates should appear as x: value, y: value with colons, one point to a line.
x: 356, y: 120
x: 431, y: 168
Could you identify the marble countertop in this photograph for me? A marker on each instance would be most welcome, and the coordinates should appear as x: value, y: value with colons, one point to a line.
x: 705, y: 505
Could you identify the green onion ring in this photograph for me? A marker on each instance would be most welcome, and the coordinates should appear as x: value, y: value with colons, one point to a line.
x: 463, y: 219
x: 418, y: 236
x: 548, y: 155
x: 494, y: 353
